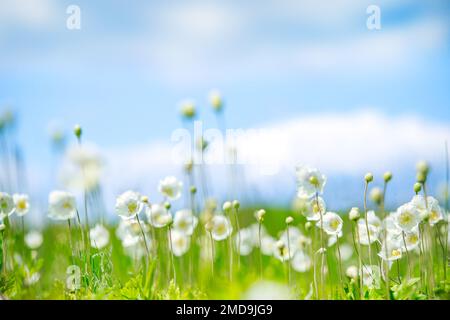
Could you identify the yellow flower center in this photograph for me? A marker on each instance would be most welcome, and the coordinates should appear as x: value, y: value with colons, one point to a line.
x: 67, y: 205
x: 132, y: 206
x: 334, y: 224
x: 21, y: 205
x: 396, y: 253
x: 405, y: 218
x: 434, y: 215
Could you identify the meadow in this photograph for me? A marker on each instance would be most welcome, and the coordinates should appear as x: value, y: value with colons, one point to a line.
x: 217, y: 249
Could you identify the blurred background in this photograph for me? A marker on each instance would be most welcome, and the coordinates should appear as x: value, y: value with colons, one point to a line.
x: 346, y: 98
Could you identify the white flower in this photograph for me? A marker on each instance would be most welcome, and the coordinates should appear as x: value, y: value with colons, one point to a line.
x: 390, y: 226
x: 221, y: 228
x: 391, y: 250
x: 245, y: 238
x: 332, y: 240
x: 352, y: 272
x: 412, y: 240
x: 314, y: 208
x: 407, y: 217
x: 294, y: 235
x: 157, y: 215
x: 170, y: 187
x: 215, y: 98
x: 309, y: 181
x: 332, y: 223
x: 354, y: 214
x: 267, y: 245
x: 6, y: 205
x: 371, y: 276
x: 33, y: 239
x: 22, y: 204
x: 129, y: 205
x: 265, y: 290
x: 301, y: 262
x: 373, y: 220
x: 185, y: 222
x: 346, y: 252
x: 82, y: 167
x: 180, y: 242
x: 282, y: 252
x: 363, y: 236
x: 436, y: 212
x: 62, y: 205
x: 99, y: 237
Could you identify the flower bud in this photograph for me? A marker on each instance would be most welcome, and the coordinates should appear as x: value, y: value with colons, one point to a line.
x: 216, y: 100
x: 423, y: 167
x: 417, y: 187
x: 376, y: 194
x: 289, y: 220
x: 368, y: 177
x: 193, y: 190
x: 314, y: 181
x: 236, y: 204
x: 188, y: 110
x: 167, y: 205
x: 2, y: 226
x: 354, y: 214
x: 421, y: 177
x: 387, y: 176
x: 260, y: 215
x: 78, y: 131
x: 144, y: 199
x: 227, y: 206
x: 308, y: 226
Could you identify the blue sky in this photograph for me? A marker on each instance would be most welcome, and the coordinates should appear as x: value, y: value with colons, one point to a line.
x: 122, y: 75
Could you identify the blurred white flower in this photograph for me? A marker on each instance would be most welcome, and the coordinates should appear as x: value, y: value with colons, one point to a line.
x: 265, y: 290
x: 157, y: 215
x: 412, y: 240
x: 407, y: 217
x: 185, y: 222
x: 99, y: 237
x: 301, y: 262
x: 62, y: 205
x: 436, y: 212
x: 352, y: 272
x: 282, y: 252
x: 314, y: 208
x: 390, y: 226
x: 373, y: 220
x: 129, y: 205
x: 221, y: 228
x: 22, y: 204
x: 363, y: 236
x: 6, y: 205
x: 309, y: 181
x: 294, y: 235
x: 245, y: 238
x: 170, y: 187
x: 371, y: 276
x: 332, y: 239
x: 180, y: 242
x: 82, y: 167
x: 346, y: 252
x: 34, y: 239
x: 267, y: 245
x: 332, y: 223
x: 391, y: 250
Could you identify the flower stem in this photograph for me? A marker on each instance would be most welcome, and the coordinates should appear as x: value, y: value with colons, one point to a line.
x: 407, y: 254
x: 367, y: 222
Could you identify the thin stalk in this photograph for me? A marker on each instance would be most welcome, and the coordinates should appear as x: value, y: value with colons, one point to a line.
x: 322, y: 243
x: 171, y: 255
x: 446, y: 210
x: 385, y: 263
x: 340, y: 261
x: 260, y: 251
x: 70, y: 241
x: 367, y: 221
x: 239, y: 236
x: 143, y: 236
x: 289, y: 255
x: 360, y: 264
x: 407, y: 255
x: 212, y: 254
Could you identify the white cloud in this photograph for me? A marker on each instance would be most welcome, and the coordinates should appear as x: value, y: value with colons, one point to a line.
x: 338, y: 144
x: 32, y: 14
